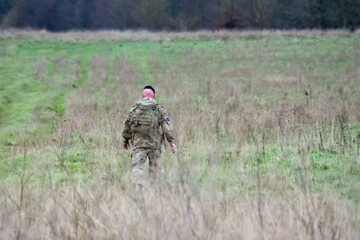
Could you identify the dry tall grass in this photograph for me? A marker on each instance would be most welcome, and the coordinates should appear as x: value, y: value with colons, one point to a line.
x: 130, y: 35
x: 97, y: 202
x: 174, y: 212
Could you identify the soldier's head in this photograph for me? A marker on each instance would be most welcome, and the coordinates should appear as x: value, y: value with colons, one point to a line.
x: 149, y: 92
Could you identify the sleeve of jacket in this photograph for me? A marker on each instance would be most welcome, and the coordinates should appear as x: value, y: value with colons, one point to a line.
x: 126, y: 133
x: 166, y: 125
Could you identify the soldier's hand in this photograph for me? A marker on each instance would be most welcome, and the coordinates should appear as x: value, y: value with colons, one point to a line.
x: 173, y: 148
x: 126, y: 145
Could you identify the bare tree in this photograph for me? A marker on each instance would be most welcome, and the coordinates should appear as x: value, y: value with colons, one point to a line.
x: 261, y: 10
x: 152, y: 14
x: 232, y: 15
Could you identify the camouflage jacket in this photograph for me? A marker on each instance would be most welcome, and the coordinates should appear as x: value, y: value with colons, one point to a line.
x: 153, y: 138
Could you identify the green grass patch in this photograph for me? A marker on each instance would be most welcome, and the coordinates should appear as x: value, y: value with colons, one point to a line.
x: 38, y: 77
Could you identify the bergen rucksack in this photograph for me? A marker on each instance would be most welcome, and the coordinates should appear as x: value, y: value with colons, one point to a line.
x: 144, y: 118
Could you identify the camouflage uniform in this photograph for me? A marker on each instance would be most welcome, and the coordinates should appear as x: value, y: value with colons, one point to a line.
x: 147, y: 144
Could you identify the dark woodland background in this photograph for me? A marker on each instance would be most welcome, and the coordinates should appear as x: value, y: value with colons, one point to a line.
x: 179, y: 15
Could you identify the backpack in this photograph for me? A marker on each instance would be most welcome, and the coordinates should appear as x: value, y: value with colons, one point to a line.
x: 145, y: 117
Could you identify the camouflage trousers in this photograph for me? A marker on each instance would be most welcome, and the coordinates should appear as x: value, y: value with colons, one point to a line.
x: 138, y: 158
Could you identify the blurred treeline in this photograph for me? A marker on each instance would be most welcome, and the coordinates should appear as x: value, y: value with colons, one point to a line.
x: 62, y: 15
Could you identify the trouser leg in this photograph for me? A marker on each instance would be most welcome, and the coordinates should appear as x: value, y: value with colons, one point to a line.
x: 154, y: 162
x: 138, y: 159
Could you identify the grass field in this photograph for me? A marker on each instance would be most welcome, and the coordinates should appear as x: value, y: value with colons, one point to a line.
x: 267, y: 125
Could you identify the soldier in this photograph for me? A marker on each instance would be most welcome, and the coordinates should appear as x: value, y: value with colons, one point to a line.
x: 145, y: 127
